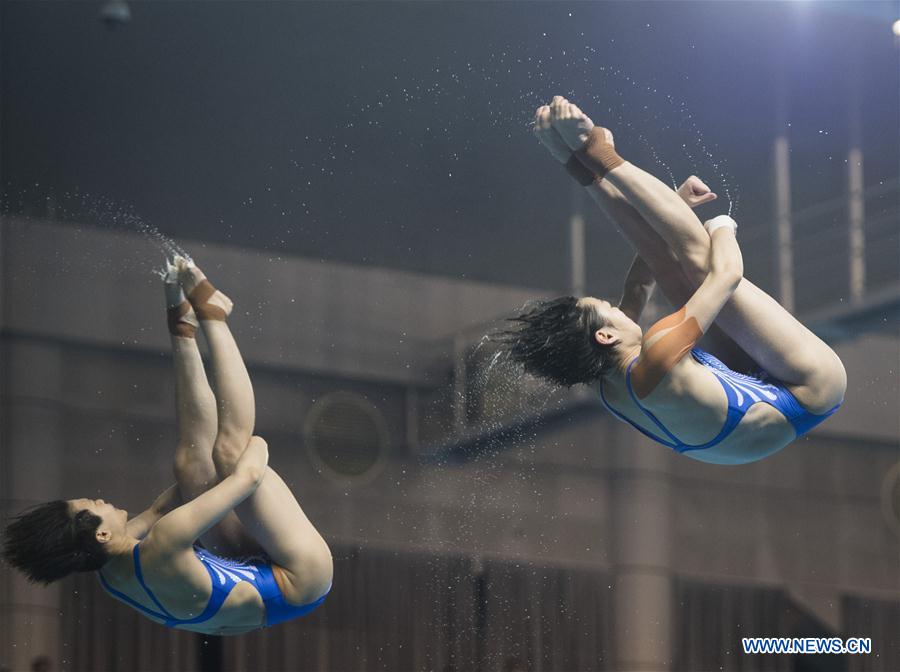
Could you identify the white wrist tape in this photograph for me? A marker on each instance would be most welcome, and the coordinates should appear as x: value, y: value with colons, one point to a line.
x: 718, y: 222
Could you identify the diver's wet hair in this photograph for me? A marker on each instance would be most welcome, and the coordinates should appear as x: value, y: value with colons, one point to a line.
x: 554, y: 339
x: 49, y: 542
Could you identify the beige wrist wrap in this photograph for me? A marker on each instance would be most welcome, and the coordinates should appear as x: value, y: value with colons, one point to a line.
x: 598, y: 155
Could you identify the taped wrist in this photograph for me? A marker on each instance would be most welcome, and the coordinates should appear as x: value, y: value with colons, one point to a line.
x: 720, y: 222
x: 598, y: 155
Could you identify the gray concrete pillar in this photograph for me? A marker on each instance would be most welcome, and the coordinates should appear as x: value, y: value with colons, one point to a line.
x: 856, y: 225
x: 642, y: 557
x: 460, y: 349
x: 784, y: 245
x: 856, y: 213
x: 32, y: 445
x: 578, y: 275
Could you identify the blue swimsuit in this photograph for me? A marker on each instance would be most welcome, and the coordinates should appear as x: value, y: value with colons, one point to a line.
x: 742, y: 391
x: 225, y: 575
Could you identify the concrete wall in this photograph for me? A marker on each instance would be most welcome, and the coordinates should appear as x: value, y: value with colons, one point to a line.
x: 98, y: 287
x: 86, y: 409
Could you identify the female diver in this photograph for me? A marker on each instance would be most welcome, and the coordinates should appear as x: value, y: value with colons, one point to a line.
x: 225, y: 496
x: 658, y: 381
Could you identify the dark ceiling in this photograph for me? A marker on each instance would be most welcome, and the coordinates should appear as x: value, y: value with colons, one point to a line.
x: 396, y: 134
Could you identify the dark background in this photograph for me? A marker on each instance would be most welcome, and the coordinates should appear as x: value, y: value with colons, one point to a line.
x: 500, y: 522
x: 396, y: 134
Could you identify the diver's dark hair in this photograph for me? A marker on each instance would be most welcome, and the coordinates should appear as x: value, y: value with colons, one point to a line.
x: 554, y: 339
x: 49, y: 542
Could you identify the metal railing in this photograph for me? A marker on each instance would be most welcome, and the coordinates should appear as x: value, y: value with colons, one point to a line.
x: 846, y: 261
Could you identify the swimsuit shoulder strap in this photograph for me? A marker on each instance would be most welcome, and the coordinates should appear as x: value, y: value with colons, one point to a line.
x: 139, y: 575
x: 675, y: 442
x: 624, y: 419
x: 128, y: 600
x: 731, y: 421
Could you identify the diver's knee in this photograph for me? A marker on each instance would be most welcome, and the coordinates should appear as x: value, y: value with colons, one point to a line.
x: 830, y: 385
x: 837, y: 383
x: 318, y: 570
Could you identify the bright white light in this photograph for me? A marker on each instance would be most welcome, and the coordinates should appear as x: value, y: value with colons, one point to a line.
x: 896, y: 27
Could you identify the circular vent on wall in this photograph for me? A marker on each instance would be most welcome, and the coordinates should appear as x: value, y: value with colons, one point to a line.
x: 890, y: 498
x: 346, y: 437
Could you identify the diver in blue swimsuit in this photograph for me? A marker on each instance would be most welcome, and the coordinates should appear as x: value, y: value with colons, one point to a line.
x: 762, y: 379
x: 224, y: 575
x: 741, y: 392
x: 225, y: 550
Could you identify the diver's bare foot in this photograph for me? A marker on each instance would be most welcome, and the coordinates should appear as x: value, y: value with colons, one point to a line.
x: 171, y: 283
x: 179, y: 314
x: 549, y: 136
x: 208, y: 302
x: 573, y: 125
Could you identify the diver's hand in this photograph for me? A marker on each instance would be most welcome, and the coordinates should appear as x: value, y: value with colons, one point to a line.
x: 694, y: 192
x: 549, y: 136
x: 570, y: 122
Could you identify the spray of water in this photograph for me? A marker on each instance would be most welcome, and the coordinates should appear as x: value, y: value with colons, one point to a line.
x: 81, y: 208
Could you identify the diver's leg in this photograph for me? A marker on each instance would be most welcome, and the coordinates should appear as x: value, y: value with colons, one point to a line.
x: 196, y: 421
x: 669, y: 275
x: 659, y: 257
x: 663, y: 209
x: 767, y: 332
x: 764, y: 329
x: 274, y: 517
x: 271, y: 514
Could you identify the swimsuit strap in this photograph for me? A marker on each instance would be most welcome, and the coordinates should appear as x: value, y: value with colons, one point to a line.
x: 732, y: 419
x: 139, y: 575
x: 128, y: 600
x: 675, y: 442
x: 626, y: 420
x: 134, y: 603
x: 737, y: 387
x: 220, y: 590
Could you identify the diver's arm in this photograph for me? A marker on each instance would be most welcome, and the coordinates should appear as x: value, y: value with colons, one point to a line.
x: 178, y: 529
x: 726, y: 269
x: 667, y: 342
x: 140, y: 525
x: 639, y: 285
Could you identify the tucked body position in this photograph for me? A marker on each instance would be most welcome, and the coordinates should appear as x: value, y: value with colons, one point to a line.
x: 227, y: 548
x: 763, y: 379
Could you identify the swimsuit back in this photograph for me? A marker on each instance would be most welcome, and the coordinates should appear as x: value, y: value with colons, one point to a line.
x: 741, y: 390
x: 224, y: 574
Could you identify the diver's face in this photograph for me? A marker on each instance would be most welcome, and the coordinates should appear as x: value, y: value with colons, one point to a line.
x: 617, y: 323
x: 114, y: 519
